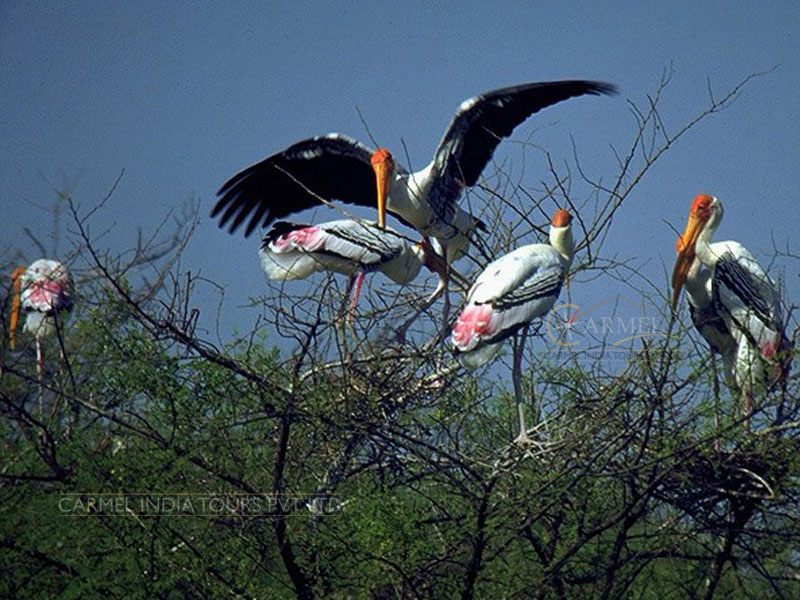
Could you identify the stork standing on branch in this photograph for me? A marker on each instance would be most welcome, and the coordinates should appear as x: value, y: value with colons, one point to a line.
x: 295, y: 251
x: 511, y: 292
x: 43, y: 291
x: 733, y: 303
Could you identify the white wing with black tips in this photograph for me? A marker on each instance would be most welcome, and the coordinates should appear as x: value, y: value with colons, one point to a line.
x: 506, y: 274
x: 331, y: 167
x: 732, y: 287
x: 482, y: 122
x: 295, y: 251
x: 534, y: 298
x: 512, y: 291
x: 335, y: 167
x: 745, y: 295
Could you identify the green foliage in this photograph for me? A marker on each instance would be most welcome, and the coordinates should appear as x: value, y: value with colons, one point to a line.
x: 428, y: 493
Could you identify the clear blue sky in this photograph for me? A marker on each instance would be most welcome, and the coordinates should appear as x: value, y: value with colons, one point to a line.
x: 181, y: 95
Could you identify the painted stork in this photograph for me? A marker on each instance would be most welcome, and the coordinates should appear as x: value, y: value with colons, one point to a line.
x: 337, y: 167
x: 511, y: 292
x: 295, y: 251
x: 43, y: 291
x: 733, y: 303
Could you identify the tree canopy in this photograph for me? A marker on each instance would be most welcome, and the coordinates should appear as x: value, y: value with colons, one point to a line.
x: 305, y: 457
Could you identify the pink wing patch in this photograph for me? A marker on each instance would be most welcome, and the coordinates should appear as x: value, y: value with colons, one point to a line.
x: 474, y: 322
x: 45, y: 295
x: 308, y: 239
x: 769, y: 346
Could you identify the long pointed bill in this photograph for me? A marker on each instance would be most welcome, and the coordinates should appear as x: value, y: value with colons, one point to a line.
x: 16, y: 278
x: 686, y: 255
x: 383, y: 165
x: 382, y: 174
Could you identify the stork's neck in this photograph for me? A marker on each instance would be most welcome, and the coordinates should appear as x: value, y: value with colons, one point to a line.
x: 698, y: 287
x: 702, y: 248
x: 407, y: 193
x: 404, y: 268
x: 561, y: 240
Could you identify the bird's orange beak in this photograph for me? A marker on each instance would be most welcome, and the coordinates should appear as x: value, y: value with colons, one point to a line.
x: 383, y: 165
x: 16, y: 279
x: 686, y: 253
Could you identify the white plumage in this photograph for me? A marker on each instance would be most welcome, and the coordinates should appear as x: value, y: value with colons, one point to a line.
x: 337, y: 167
x: 511, y: 292
x: 43, y: 291
x: 295, y: 251
x: 705, y: 317
x: 739, y: 299
x: 749, y: 303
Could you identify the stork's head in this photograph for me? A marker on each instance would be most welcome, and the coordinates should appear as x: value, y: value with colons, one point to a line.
x: 562, y: 218
x: 384, y: 167
x: 561, y: 234
x: 705, y: 215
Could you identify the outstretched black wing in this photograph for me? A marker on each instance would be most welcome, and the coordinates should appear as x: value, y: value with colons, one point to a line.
x: 482, y: 122
x: 331, y: 167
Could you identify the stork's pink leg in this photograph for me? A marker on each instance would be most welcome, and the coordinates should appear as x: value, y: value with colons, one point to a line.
x: 40, y: 373
x: 359, y: 281
x: 522, y: 439
x: 446, y: 303
x: 715, y: 387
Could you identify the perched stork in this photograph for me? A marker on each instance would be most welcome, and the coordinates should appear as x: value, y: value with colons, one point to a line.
x: 337, y: 167
x: 295, y: 251
x: 733, y: 303
x: 43, y: 291
x: 511, y: 292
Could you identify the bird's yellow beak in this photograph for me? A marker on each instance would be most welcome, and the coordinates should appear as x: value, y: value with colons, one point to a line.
x: 686, y: 254
x: 383, y: 165
x: 16, y: 279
